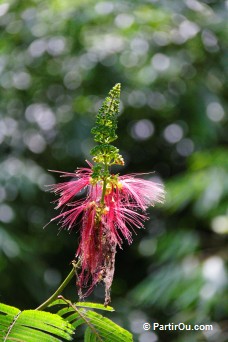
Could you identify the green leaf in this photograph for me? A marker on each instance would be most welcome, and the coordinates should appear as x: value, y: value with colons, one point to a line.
x: 108, y: 330
x: 89, y: 336
x: 94, y: 306
x: 32, y: 326
x: 89, y: 305
x: 99, y: 328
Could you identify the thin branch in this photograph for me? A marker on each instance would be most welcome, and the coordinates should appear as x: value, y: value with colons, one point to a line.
x: 11, y: 326
x: 55, y: 295
x: 82, y: 316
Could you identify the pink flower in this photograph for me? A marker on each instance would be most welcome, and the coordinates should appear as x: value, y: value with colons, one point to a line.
x: 103, y: 225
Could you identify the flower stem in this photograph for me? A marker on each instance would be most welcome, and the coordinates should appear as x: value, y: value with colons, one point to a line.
x: 60, y: 288
x: 104, y: 182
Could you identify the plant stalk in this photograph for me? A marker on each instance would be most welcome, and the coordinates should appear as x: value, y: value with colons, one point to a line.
x: 104, y: 182
x: 55, y: 295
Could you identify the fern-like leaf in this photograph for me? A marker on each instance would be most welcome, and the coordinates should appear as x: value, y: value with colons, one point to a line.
x: 99, y: 328
x: 88, y: 305
x: 32, y: 326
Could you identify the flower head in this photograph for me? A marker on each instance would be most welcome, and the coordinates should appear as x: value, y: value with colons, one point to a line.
x: 112, y: 207
x: 103, y: 224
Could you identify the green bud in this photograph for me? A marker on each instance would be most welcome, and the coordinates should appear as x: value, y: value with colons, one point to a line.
x: 104, y: 131
x: 106, y: 122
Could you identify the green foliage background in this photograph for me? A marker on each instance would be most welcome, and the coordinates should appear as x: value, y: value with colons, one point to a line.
x: 58, y: 60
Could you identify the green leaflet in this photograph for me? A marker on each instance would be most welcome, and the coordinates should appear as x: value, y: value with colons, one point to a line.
x: 108, y: 330
x: 32, y: 326
x: 89, y: 336
x: 88, y: 305
x: 94, y: 306
x: 99, y: 328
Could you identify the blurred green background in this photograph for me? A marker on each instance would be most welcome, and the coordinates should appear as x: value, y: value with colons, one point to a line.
x: 58, y: 60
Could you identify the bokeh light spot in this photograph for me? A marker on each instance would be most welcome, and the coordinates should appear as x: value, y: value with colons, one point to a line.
x: 142, y: 129
x: 215, y: 111
x: 173, y: 133
x: 185, y: 147
x: 214, y: 271
x: 6, y: 213
x: 137, y: 98
x: 34, y: 141
x: 124, y: 20
x: 160, y: 62
x: 147, y: 247
x: 104, y: 7
x: 37, y: 48
x: 42, y: 115
x: 4, y: 8
x: 21, y: 80
x: 219, y: 224
x: 52, y: 277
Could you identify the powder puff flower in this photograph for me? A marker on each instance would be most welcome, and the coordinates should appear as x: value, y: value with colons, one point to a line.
x: 103, y: 223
